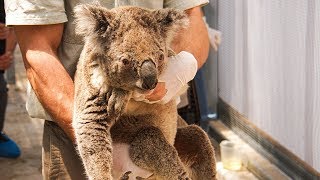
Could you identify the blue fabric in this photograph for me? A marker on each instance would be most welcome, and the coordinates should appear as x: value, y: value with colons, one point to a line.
x: 8, y: 148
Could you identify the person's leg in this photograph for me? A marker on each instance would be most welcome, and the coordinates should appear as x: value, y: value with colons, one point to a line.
x: 8, y: 148
x: 59, y: 157
x: 3, y: 99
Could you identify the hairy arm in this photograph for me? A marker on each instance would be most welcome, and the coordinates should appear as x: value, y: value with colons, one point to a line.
x: 194, y: 39
x: 49, y: 79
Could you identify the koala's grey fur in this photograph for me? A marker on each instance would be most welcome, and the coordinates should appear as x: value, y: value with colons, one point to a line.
x: 125, y: 51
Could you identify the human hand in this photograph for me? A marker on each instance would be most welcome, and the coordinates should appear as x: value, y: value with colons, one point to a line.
x: 6, y: 60
x: 179, y: 71
x: 4, y: 31
x: 152, y: 96
x: 158, y: 93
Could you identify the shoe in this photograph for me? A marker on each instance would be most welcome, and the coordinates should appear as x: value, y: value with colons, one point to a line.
x: 8, y: 148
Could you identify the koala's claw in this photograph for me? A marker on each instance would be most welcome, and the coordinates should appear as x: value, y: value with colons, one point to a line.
x: 184, y: 176
x: 117, y: 101
x: 148, y: 178
x: 125, y: 176
x: 171, y: 52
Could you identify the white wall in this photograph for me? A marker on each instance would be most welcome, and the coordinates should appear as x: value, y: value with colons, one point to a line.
x: 269, y: 69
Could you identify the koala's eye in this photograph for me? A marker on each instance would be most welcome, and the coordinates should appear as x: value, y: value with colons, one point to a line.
x: 125, y: 61
x: 161, y: 57
x: 103, y: 28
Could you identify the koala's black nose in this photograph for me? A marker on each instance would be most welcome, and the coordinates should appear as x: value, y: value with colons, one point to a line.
x: 148, y: 75
x: 149, y: 83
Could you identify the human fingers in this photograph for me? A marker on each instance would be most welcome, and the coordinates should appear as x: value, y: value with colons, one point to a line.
x: 158, y: 93
x: 4, y: 32
x: 6, y: 60
x: 5, y: 64
x: 7, y: 56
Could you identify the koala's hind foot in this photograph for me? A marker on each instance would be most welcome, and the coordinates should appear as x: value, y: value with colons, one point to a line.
x: 151, y: 151
x: 196, y: 152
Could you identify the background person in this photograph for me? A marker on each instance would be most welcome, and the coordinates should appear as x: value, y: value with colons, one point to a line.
x: 8, y: 148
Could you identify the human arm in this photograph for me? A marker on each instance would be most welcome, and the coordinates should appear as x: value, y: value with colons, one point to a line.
x: 11, y: 41
x: 4, y: 31
x: 194, y: 40
x: 49, y: 79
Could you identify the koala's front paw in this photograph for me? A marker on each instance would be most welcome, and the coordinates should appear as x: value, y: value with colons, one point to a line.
x: 117, y: 101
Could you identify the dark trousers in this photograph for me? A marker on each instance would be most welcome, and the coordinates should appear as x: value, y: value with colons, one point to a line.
x: 3, y: 99
x: 3, y: 83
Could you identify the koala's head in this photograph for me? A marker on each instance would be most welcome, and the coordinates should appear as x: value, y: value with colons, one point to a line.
x: 129, y: 45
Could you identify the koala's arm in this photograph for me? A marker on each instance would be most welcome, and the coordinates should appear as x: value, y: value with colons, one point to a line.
x: 194, y: 38
x: 49, y: 79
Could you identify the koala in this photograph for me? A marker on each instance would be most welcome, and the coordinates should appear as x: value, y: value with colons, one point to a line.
x: 125, y: 51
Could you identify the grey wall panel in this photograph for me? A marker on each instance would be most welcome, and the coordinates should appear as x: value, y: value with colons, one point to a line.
x: 269, y: 69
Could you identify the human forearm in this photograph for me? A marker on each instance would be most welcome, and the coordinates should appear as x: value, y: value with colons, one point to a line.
x: 50, y: 81
x: 11, y: 41
x: 194, y: 38
x: 53, y: 87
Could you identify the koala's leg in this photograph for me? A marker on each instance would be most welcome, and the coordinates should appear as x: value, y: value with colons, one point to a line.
x: 151, y: 151
x: 95, y: 148
x: 196, y: 152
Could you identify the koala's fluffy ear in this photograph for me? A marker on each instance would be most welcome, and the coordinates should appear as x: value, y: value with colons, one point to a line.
x: 90, y: 18
x: 171, y: 20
